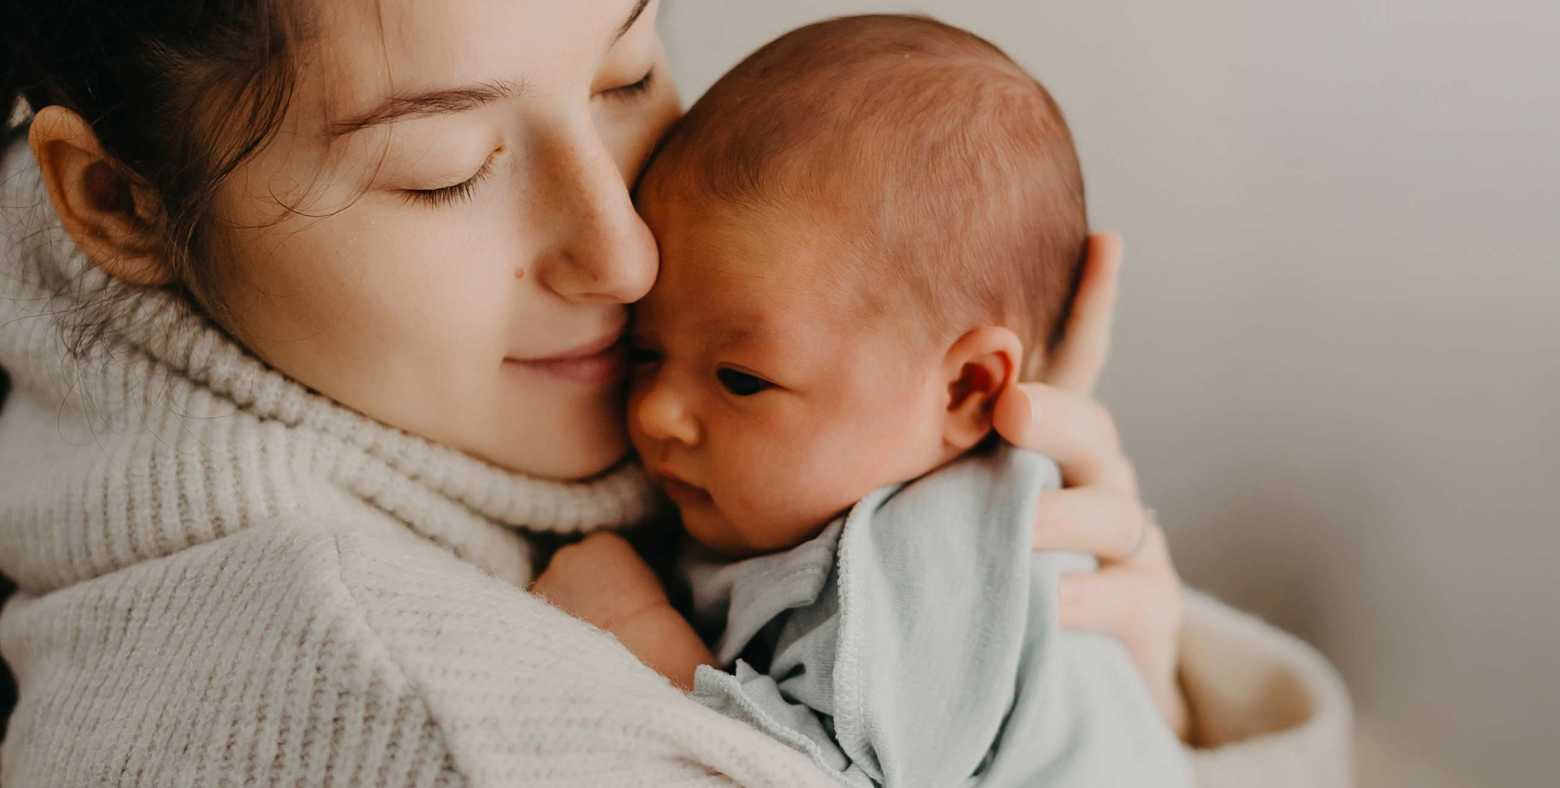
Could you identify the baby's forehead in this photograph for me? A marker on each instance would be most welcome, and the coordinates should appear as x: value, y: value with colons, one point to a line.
x: 746, y: 255
x: 740, y: 274
x: 743, y: 284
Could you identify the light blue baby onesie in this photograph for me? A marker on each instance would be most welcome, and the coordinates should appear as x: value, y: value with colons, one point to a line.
x: 914, y: 642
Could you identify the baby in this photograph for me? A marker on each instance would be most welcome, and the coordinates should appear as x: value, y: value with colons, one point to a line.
x: 869, y: 229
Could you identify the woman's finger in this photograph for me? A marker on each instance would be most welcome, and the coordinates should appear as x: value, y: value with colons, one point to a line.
x: 1139, y: 602
x: 1101, y: 602
x: 1077, y: 362
x: 1125, y: 599
x: 1090, y: 520
x: 1073, y: 429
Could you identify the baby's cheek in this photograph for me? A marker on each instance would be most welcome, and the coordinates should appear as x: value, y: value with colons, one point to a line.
x: 827, y: 484
x: 782, y: 496
x: 766, y: 494
x: 847, y: 469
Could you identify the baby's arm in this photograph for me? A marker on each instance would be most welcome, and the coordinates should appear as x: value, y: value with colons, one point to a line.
x: 603, y: 581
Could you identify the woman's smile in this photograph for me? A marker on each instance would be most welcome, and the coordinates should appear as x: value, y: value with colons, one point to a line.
x: 601, y: 362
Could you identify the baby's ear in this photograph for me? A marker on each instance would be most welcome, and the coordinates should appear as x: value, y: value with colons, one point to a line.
x: 978, y: 367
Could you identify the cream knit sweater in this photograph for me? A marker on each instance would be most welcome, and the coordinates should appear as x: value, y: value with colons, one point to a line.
x: 226, y: 579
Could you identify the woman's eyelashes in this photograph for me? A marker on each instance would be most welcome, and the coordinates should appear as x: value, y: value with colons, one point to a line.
x: 632, y: 90
x: 449, y: 195
x: 741, y: 384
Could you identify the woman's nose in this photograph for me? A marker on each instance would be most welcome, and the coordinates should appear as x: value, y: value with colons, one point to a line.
x: 662, y: 414
x: 601, y: 250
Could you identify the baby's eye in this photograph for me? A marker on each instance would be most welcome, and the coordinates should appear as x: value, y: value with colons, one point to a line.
x: 742, y: 384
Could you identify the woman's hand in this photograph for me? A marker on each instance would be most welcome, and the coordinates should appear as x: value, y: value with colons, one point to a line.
x: 1135, y: 595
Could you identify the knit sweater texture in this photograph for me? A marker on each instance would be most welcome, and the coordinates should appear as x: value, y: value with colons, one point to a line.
x: 226, y: 579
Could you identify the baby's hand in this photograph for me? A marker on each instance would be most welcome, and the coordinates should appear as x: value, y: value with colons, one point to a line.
x: 601, y: 580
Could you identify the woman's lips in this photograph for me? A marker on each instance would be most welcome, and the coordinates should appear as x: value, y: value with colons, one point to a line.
x: 601, y: 363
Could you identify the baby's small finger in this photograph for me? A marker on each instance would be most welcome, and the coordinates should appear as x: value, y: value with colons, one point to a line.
x: 1089, y: 520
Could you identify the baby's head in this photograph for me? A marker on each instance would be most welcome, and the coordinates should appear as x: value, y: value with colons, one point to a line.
x: 868, y: 229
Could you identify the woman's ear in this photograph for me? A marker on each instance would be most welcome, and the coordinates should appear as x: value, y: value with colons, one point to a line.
x: 110, y: 215
x: 978, y: 367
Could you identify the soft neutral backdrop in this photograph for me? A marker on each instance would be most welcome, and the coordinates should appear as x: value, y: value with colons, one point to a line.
x: 1338, y: 356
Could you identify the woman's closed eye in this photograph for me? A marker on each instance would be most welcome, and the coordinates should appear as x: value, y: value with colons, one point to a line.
x: 633, y: 89
x: 741, y: 384
x: 454, y: 193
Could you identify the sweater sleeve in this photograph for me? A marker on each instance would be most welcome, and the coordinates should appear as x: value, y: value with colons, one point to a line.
x: 1269, y: 710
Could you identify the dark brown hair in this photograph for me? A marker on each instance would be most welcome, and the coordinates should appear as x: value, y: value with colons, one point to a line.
x: 953, y: 162
x: 178, y: 92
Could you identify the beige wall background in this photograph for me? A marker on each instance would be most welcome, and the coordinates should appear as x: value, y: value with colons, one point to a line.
x: 1338, y: 356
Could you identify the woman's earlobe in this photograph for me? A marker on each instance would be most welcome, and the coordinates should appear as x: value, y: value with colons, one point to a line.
x: 978, y: 368
x: 109, y: 214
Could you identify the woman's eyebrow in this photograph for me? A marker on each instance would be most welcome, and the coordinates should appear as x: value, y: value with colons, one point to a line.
x: 633, y: 16
x: 432, y: 102
x: 461, y: 99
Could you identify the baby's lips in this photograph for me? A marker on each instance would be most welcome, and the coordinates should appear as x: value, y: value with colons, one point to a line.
x: 679, y: 490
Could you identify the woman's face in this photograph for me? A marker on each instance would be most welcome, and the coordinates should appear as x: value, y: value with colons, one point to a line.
x: 441, y: 236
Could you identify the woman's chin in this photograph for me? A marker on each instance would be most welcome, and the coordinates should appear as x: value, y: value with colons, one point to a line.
x: 587, y: 465
x: 561, y: 456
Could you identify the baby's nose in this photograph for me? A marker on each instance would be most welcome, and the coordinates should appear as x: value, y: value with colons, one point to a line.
x: 663, y: 415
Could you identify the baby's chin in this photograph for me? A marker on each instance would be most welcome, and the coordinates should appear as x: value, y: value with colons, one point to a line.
x: 707, y: 526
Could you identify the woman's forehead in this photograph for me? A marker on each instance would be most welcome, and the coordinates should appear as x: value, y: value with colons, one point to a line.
x: 372, y: 51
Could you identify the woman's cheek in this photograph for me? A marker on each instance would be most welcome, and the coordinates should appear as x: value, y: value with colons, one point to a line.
x: 633, y: 135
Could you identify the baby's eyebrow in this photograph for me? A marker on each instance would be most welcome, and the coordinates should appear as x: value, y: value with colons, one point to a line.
x: 765, y: 342
x: 743, y: 333
x: 733, y: 336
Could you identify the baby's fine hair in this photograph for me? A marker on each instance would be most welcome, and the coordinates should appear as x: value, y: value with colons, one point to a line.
x: 950, y: 164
